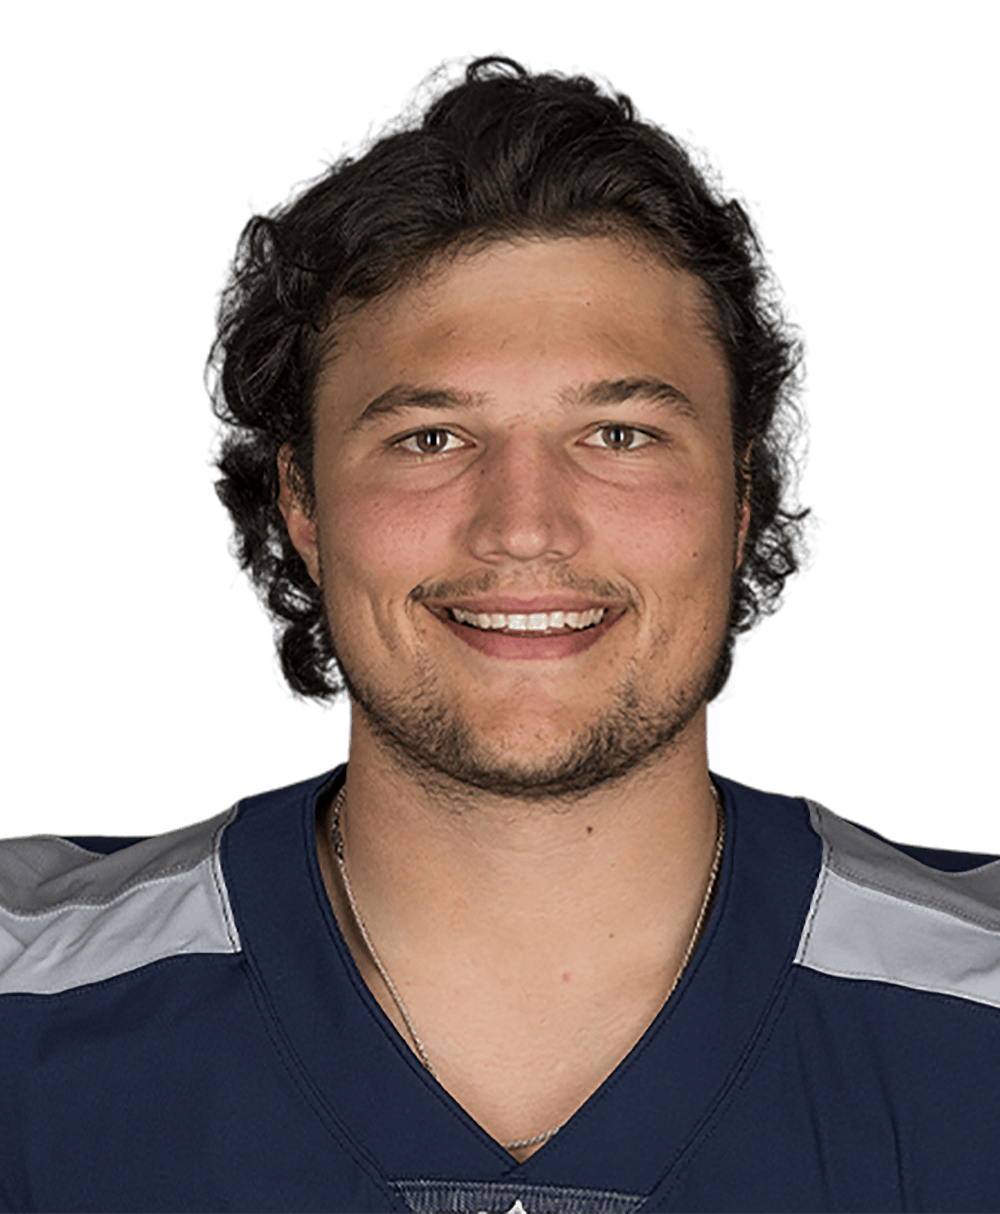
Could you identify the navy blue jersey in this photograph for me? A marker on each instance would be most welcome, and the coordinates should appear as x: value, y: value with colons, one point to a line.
x: 182, y: 1027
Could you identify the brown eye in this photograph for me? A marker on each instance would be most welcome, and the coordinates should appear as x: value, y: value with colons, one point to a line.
x: 619, y: 438
x: 430, y: 442
x: 616, y: 437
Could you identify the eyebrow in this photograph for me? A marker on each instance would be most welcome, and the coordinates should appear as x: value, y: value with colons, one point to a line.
x: 403, y: 397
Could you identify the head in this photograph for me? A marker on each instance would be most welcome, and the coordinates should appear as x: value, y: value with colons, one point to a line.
x: 546, y: 264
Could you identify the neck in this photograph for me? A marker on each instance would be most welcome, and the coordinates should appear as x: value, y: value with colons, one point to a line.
x: 529, y: 882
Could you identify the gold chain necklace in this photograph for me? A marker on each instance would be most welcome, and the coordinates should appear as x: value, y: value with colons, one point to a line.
x: 337, y: 839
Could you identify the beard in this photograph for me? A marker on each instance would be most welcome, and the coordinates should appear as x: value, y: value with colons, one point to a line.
x: 428, y: 734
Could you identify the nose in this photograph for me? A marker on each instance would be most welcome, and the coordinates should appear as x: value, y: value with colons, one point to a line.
x: 525, y: 504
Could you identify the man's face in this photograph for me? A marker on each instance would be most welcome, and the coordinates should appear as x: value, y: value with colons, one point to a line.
x: 525, y: 521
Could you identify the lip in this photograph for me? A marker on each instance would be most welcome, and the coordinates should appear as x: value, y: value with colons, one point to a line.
x: 511, y: 606
x: 503, y: 645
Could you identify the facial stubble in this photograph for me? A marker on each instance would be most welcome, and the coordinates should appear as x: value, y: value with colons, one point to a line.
x: 426, y: 732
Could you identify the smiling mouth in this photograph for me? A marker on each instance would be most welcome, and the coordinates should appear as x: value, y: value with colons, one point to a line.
x: 533, y: 624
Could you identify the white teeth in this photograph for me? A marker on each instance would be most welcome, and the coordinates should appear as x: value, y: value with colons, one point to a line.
x: 537, y: 621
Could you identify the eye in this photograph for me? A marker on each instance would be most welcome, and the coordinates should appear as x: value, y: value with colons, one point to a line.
x: 616, y: 437
x: 432, y: 441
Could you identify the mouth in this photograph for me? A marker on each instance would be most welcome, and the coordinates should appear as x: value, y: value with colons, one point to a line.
x: 529, y: 624
x: 529, y: 634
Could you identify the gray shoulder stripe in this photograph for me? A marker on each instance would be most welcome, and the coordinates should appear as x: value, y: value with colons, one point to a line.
x: 880, y: 915
x: 973, y: 895
x: 39, y: 873
x: 69, y: 917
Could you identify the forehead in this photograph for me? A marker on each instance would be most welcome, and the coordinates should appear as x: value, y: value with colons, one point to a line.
x: 531, y: 318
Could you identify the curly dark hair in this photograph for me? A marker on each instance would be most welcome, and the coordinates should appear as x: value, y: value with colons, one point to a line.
x: 501, y: 154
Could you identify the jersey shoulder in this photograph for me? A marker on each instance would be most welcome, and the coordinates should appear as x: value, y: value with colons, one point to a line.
x: 78, y: 912
x: 907, y: 916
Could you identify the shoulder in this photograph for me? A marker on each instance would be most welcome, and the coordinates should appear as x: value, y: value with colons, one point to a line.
x: 911, y: 917
x: 73, y: 913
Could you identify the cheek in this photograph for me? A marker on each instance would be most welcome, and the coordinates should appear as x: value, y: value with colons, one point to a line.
x: 671, y: 540
x: 382, y: 544
x: 369, y: 547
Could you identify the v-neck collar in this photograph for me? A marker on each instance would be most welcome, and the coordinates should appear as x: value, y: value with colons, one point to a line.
x: 375, y: 1094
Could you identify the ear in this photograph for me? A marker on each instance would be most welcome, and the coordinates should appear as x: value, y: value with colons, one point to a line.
x: 744, y: 507
x: 298, y: 520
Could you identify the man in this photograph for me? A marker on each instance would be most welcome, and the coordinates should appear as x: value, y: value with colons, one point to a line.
x: 505, y: 400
